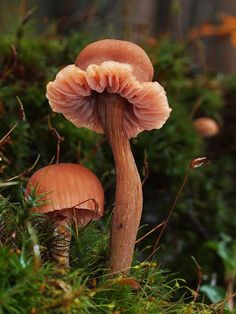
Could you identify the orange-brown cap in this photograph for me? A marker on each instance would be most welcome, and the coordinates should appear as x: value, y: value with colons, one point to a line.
x: 119, y: 51
x: 116, y: 67
x: 70, y: 189
x: 206, y: 127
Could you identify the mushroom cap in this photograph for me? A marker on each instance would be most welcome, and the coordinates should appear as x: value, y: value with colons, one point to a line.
x: 119, y: 51
x: 73, y: 92
x: 206, y: 127
x: 69, y: 189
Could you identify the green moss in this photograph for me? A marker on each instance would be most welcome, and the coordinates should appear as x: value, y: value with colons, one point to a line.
x: 27, y: 287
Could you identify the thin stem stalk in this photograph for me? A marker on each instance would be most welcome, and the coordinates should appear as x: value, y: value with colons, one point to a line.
x: 128, y: 198
x: 60, y: 252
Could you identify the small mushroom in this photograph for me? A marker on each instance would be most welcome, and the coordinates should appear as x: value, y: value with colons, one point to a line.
x: 109, y: 90
x: 206, y: 127
x: 69, y: 193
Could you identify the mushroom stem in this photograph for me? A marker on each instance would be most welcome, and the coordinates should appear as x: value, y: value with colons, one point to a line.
x: 128, y: 198
x: 60, y: 252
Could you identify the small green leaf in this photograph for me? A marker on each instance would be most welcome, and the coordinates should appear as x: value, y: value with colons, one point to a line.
x: 214, y: 293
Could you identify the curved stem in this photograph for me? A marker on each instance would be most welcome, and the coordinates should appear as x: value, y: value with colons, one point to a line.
x: 128, y: 199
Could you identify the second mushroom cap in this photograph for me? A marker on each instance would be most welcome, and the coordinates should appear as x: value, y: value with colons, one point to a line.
x: 68, y: 189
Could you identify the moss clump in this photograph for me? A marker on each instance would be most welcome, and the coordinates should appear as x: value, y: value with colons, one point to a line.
x: 31, y: 285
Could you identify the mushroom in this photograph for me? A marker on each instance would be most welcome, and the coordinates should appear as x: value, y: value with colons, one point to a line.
x: 69, y: 193
x: 206, y: 127
x: 109, y: 90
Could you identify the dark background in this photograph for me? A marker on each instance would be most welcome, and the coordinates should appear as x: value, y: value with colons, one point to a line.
x: 137, y: 20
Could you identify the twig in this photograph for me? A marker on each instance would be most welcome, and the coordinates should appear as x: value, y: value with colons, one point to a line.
x: 170, y: 213
x: 219, y: 304
x: 75, y: 208
x: 149, y: 232
x: 2, y: 141
x: 94, y: 211
x: 21, y: 118
x: 199, y: 275
x: 27, y: 171
x: 4, y: 184
x: 198, y: 162
x: 58, y: 137
x: 21, y: 113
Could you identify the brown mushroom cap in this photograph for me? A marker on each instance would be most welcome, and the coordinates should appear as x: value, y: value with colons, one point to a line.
x: 64, y: 187
x: 206, y: 127
x: 73, y: 92
x: 119, y: 51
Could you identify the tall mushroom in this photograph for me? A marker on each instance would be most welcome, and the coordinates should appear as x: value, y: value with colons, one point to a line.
x: 69, y: 193
x: 109, y: 90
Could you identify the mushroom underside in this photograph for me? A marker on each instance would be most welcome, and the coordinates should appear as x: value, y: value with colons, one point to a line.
x: 72, y: 94
x: 80, y: 216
